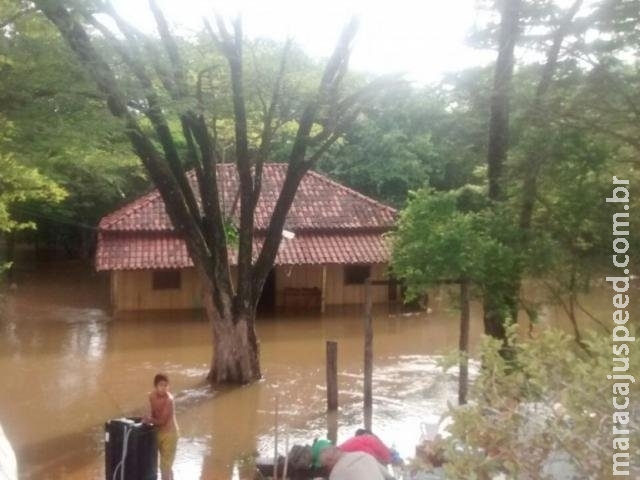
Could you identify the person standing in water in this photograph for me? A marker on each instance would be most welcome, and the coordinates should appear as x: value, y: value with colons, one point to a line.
x: 163, y: 416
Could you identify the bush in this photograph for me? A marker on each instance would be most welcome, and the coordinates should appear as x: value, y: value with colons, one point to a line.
x: 550, y: 416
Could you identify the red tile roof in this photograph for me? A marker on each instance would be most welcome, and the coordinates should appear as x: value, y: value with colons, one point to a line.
x: 158, y: 251
x: 333, y: 225
x: 320, y: 204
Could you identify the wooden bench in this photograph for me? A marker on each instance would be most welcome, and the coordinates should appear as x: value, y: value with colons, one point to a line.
x: 302, y: 297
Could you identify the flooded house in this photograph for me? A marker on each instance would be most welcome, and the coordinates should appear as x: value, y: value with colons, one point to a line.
x: 333, y: 241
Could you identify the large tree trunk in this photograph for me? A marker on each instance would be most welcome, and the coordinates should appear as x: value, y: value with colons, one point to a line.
x: 501, y: 299
x: 537, y: 119
x: 235, y: 351
x: 500, y: 308
x: 236, y: 354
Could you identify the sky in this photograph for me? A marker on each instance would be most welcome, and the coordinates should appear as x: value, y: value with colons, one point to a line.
x: 421, y: 39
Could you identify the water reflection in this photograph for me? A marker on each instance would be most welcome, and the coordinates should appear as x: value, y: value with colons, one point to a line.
x: 67, y: 366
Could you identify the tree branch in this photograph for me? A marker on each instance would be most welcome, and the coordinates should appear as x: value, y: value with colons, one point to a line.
x: 268, y: 128
x: 171, y: 47
x: 175, y: 203
x: 534, y: 160
x: 214, y: 223
x: 332, y: 76
x: 154, y: 112
x: 232, y: 46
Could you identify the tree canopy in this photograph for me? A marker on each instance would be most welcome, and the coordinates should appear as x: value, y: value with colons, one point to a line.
x: 572, y: 123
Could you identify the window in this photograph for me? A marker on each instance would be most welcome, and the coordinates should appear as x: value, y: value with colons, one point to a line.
x: 166, y: 280
x: 356, y: 274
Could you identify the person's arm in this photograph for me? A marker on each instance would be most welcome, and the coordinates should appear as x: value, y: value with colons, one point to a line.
x: 380, y: 450
x: 149, y: 418
x: 385, y: 454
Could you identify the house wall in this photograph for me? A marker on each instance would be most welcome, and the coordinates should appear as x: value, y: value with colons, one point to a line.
x: 133, y: 290
x: 304, y: 276
x: 337, y: 293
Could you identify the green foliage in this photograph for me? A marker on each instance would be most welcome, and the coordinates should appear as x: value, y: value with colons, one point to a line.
x: 409, y: 137
x: 52, y: 119
x: 53, y: 122
x: 388, y: 151
x: 19, y: 184
x: 557, y: 405
x: 262, y: 62
x: 442, y: 236
x: 231, y: 231
x: 580, y: 133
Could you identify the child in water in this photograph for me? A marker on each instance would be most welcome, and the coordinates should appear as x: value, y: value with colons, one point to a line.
x: 164, y: 418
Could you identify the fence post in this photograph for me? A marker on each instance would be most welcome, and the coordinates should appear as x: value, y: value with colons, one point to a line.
x: 368, y: 355
x: 332, y: 376
x: 463, y: 345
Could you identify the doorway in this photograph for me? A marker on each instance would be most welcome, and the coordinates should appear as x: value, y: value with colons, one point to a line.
x: 267, y: 302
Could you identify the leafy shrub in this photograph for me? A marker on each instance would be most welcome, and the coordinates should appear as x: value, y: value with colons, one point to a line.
x: 548, y: 417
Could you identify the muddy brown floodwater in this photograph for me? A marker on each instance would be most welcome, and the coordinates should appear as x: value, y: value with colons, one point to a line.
x: 67, y: 366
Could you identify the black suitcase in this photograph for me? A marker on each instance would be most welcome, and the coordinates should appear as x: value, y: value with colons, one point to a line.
x: 131, y: 451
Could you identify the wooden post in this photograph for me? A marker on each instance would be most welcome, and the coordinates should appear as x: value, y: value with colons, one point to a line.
x: 275, y: 444
x: 368, y: 355
x: 332, y: 426
x: 323, y: 298
x: 332, y: 376
x: 286, y: 456
x: 463, y: 345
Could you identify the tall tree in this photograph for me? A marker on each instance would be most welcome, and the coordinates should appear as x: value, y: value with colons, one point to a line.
x: 451, y: 237
x: 231, y: 306
x: 502, y: 297
x: 499, y: 300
